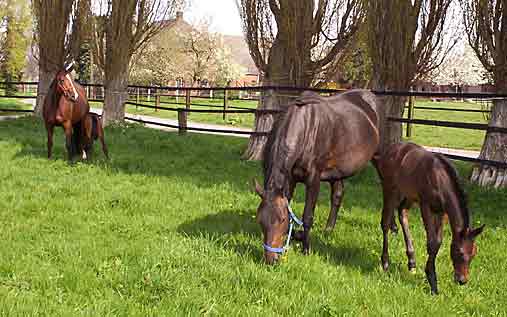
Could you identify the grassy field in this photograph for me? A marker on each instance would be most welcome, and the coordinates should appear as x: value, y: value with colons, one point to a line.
x: 448, y: 137
x: 12, y: 103
x: 167, y: 227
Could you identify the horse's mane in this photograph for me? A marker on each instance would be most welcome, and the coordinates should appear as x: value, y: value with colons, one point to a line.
x: 273, y: 148
x: 51, y: 95
x: 462, y: 197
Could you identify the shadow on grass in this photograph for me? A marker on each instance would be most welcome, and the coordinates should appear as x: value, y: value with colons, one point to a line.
x: 238, y: 231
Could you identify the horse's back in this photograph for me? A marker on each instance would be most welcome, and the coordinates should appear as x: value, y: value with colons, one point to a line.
x: 339, y: 134
x: 414, y: 172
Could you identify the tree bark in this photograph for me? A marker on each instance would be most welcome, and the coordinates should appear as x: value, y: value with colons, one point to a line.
x: 52, y: 18
x: 115, y: 96
x: 390, y: 131
x: 45, y: 79
x: 494, y: 148
x: 278, y: 74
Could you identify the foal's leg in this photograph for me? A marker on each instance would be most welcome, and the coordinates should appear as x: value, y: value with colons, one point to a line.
x: 390, y: 202
x: 337, y: 189
x: 403, y: 215
x: 50, y: 128
x: 433, y: 226
x: 312, y: 194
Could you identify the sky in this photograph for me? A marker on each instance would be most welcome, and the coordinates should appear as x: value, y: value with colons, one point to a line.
x: 223, y: 15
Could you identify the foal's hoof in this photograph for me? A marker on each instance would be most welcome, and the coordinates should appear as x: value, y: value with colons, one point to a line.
x: 394, y: 229
x: 412, y: 270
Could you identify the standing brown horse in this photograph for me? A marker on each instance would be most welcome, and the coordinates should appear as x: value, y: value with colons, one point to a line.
x: 317, y: 139
x: 411, y: 174
x: 65, y: 105
x: 91, y: 131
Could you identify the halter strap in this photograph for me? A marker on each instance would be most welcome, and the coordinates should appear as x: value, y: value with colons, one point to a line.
x: 293, y: 219
x: 73, y: 87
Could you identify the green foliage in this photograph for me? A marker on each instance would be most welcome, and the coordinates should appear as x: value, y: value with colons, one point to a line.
x: 14, y: 44
x: 167, y: 228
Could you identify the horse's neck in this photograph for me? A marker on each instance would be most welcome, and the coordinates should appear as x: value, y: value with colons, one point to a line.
x: 458, y: 217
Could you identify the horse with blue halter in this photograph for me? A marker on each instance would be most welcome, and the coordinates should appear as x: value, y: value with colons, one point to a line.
x: 410, y: 174
x: 317, y: 139
x: 65, y: 105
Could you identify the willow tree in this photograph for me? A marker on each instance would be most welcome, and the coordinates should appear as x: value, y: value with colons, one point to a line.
x: 407, y: 39
x: 128, y: 25
x: 486, y: 25
x: 52, y: 19
x: 291, y: 42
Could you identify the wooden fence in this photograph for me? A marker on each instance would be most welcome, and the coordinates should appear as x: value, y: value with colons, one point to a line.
x: 153, y: 95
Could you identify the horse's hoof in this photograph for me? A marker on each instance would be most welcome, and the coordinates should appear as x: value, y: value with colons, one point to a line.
x: 434, y: 292
x: 385, y: 265
x: 412, y: 270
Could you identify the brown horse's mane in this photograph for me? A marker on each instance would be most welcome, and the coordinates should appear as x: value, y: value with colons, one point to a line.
x: 272, y: 150
x: 462, y: 197
x: 51, y: 95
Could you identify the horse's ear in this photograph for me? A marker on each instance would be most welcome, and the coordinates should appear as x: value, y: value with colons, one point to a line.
x: 258, y: 188
x: 475, y: 232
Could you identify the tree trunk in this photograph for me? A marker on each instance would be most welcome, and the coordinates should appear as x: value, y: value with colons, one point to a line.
x: 263, y: 123
x: 280, y: 72
x: 390, y: 131
x: 494, y: 149
x: 115, y: 95
x: 45, y: 79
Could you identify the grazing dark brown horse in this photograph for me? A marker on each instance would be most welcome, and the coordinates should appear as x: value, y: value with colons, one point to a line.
x: 411, y: 174
x: 317, y: 139
x: 91, y: 131
x: 65, y: 105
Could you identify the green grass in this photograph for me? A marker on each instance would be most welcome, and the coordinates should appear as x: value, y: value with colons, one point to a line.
x: 167, y: 227
x: 447, y: 137
x: 14, y: 104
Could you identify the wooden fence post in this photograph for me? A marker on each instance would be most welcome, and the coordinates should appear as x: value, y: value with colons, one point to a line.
x: 226, y: 97
x: 182, y: 121
x: 187, y: 99
x: 410, y: 115
x: 157, y: 100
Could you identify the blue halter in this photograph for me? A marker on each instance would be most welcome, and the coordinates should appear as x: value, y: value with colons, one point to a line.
x: 292, y: 219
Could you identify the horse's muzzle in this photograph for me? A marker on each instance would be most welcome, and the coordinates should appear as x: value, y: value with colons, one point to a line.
x: 271, y: 258
x: 460, y: 279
